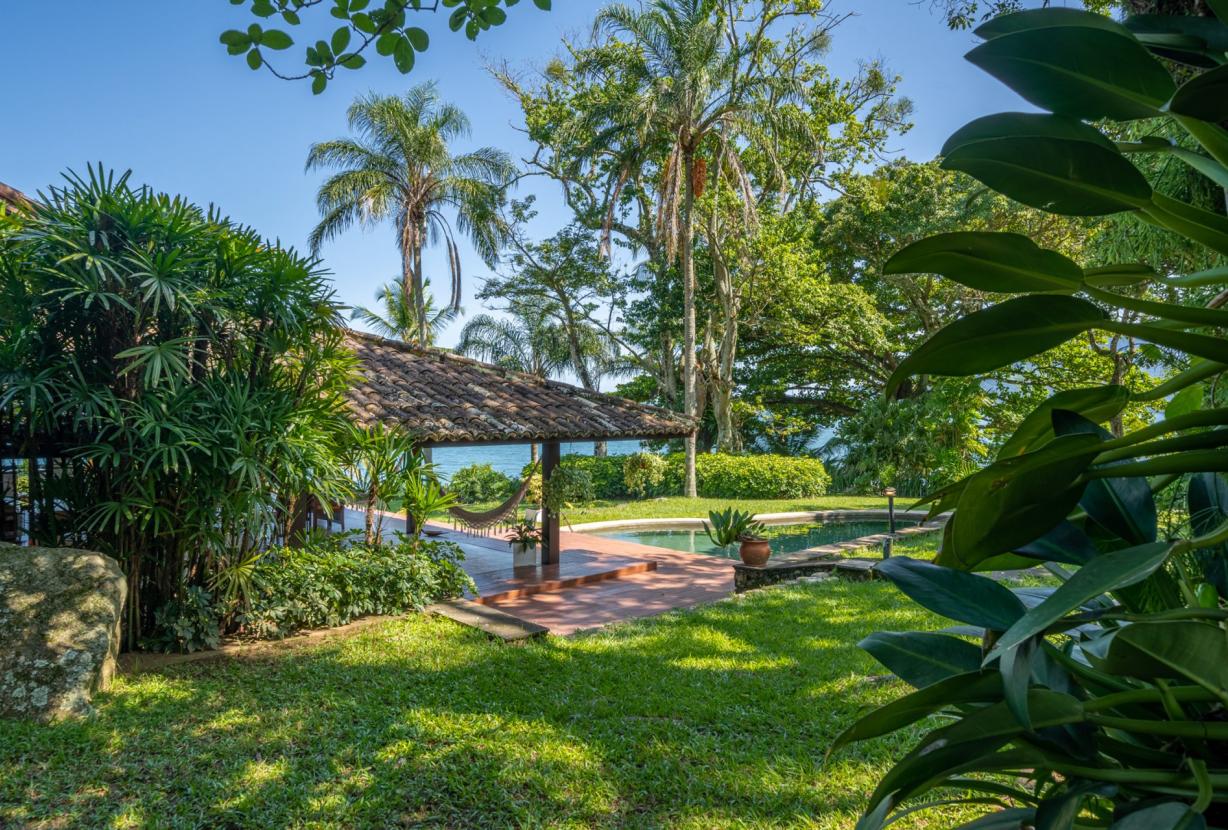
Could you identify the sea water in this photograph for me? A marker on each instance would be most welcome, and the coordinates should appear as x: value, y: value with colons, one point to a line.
x: 511, y: 458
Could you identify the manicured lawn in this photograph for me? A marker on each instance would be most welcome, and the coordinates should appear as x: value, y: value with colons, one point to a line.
x: 717, y: 717
x: 679, y: 507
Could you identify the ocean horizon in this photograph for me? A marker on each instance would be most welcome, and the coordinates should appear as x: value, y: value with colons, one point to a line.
x: 511, y: 458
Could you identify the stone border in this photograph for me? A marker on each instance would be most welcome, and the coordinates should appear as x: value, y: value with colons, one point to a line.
x: 822, y: 558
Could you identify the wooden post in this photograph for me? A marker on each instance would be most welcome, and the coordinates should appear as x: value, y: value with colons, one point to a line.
x: 550, y: 519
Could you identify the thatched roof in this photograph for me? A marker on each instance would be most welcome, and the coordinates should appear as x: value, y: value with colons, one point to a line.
x: 447, y: 399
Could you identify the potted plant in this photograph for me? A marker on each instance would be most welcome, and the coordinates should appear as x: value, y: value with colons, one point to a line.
x: 524, y: 539
x: 729, y: 526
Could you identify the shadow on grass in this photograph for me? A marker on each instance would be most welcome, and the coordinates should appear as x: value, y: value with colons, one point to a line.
x: 714, y: 717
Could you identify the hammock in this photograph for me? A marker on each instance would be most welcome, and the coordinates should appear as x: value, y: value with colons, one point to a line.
x: 488, y: 519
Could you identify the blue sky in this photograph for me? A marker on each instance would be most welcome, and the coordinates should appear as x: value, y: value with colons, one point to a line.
x: 144, y: 84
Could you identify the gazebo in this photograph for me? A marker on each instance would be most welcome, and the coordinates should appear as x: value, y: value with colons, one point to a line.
x: 446, y: 400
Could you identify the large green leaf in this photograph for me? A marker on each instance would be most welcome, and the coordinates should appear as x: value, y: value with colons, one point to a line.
x: 1044, y: 18
x: 1000, y: 262
x: 1187, y: 38
x: 1122, y: 506
x: 1202, y: 226
x: 1049, y: 162
x: 1016, y: 500
x: 920, y: 658
x: 1205, y: 96
x: 1207, y: 500
x: 1066, y: 543
x: 1104, y: 574
x: 1173, y: 815
x: 975, y: 687
x: 1085, y: 71
x: 1096, y: 403
x: 1184, y: 649
x: 957, y: 595
x: 999, y: 336
x: 1125, y: 273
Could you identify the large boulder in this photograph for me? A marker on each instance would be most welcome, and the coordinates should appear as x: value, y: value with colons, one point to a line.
x: 59, y: 629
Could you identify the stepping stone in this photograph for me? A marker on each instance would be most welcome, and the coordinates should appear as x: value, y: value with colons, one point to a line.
x: 496, y: 623
x: 856, y: 568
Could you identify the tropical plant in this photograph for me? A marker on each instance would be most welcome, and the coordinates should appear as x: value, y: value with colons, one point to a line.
x: 400, y: 168
x: 567, y: 487
x: 525, y: 533
x: 1102, y: 702
x: 399, y: 320
x: 424, y: 498
x: 383, y: 463
x: 191, y: 373
x: 729, y: 526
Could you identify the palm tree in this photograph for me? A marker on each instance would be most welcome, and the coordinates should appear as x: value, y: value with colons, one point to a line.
x: 527, y: 340
x: 685, y: 72
x: 399, y: 321
x: 399, y: 166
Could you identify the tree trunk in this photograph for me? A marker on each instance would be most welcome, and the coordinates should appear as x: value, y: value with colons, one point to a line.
x: 532, y: 453
x: 688, y: 314
x: 721, y: 383
x: 601, y: 449
x: 420, y: 299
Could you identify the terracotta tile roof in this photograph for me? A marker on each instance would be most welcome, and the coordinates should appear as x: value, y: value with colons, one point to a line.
x: 13, y: 196
x: 448, y: 399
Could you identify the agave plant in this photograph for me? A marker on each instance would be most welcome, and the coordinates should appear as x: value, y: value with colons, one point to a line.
x: 1102, y: 702
x: 728, y: 526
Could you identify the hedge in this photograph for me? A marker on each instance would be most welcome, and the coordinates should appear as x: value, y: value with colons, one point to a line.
x: 717, y: 476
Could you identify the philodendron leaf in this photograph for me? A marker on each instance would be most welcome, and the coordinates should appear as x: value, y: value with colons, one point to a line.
x: 1090, y: 71
x: 1123, y: 506
x: 1002, y: 262
x: 1066, y: 543
x: 920, y: 658
x: 1016, y: 500
x: 1205, y: 96
x: 957, y: 595
x: 1187, y: 38
x: 1096, y: 403
x: 999, y: 336
x: 976, y: 687
x: 1183, y: 649
x: 1104, y: 574
x: 1208, y: 507
x: 1049, y: 162
x: 1174, y: 814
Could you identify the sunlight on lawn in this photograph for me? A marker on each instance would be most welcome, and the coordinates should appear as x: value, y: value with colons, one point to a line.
x: 717, y: 717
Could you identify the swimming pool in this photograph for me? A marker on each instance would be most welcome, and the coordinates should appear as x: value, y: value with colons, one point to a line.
x: 782, y: 538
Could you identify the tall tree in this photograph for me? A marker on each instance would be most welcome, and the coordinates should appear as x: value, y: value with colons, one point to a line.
x: 400, y: 167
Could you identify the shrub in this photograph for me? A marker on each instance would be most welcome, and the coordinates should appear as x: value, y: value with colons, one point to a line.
x: 186, y: 623
x: 719, y: 476
x: 480, y: 483
x: 760, y: 477
x: 567, y: 486
x: 334, y: 580
x: 642, y: 472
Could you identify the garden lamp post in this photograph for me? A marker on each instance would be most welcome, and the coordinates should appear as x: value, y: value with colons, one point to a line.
x: 890, y: 494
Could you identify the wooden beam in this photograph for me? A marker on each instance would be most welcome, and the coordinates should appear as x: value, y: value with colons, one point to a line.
x: 550, y: 519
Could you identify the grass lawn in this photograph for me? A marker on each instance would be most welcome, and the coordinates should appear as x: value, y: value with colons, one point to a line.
x: 680, y: 507
x: 715, y: 717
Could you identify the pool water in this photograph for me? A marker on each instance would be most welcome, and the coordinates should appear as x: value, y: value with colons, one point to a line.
x: 782, y: 538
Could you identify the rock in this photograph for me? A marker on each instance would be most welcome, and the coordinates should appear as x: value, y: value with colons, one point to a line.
x: 60, y: 612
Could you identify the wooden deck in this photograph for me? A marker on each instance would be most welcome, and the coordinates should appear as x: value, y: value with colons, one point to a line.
x: 598, y: 581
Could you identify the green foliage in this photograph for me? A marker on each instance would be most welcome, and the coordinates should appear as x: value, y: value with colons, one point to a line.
x: 424, y: 498
x: 720, y: 476
x: 642, y: 473
x: 186, y: 624
x: 383, y: 28
x: 1100, y: 702
x: 193, y: 372
x: 479, y: 483
x: 334, y: 579
x: 567, y: 486
x: 729, y: 525
x: 525, y: 533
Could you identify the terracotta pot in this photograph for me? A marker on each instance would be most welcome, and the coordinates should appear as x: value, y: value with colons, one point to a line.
x: 755, y: 552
